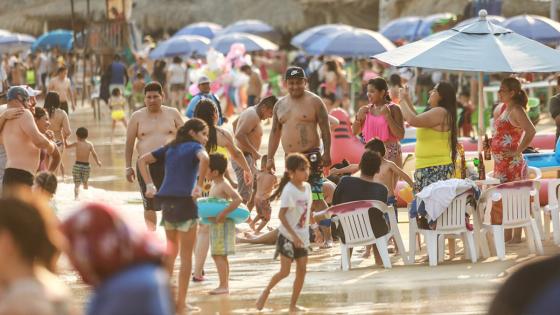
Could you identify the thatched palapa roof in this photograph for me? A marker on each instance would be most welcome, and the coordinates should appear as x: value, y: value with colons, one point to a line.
x: 288, y: 16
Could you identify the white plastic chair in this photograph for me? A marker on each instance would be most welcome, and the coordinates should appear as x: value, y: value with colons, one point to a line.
x: 535, y: 173
x: 359, y: 232
x: 516, y: 212
x: 552, y: 207
x: 450, y: 222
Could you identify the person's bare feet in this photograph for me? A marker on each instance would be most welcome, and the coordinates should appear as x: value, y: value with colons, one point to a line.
x: 182, y: 308
x: 297, y: 310
x: 262, y: 299
x: 219, y: 291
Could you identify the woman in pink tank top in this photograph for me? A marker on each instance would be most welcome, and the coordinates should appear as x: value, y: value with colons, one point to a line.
x: 381, y: 119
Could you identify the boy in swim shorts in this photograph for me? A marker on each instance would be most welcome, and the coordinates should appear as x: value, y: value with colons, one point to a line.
x: 117, y: 103
x: 81, y: 169
x: 222, y: 229
x: 266, y: 182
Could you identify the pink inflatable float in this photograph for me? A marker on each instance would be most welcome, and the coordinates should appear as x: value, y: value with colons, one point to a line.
x: 543, y: 141
x: 344, y: 145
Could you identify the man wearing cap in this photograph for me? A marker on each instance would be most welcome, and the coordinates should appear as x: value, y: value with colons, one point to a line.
x: 295, y: 120
x: 204, y: 87
x: 23, y: 142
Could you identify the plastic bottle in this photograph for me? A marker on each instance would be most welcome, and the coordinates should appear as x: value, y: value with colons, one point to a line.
x: 486, y: 146
x: 481, y: 169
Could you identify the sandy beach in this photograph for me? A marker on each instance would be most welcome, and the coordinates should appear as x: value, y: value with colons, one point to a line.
x: 454, y: 287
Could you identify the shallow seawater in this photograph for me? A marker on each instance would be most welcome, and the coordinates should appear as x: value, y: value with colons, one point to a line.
x: 454, y: 287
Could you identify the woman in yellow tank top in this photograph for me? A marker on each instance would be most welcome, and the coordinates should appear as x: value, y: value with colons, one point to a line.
x: 436, y: 135
x: 219, y: 141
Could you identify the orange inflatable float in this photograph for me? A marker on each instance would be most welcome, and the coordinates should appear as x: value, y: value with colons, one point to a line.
x: 344, y: 145
x: 404, y: 194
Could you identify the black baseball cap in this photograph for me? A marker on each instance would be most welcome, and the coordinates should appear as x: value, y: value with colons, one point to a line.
x: 295, y: 72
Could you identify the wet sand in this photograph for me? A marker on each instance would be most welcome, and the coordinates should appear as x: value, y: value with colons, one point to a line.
x: 454, y: 287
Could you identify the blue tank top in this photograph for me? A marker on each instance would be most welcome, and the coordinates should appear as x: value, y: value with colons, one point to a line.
x: 181, y: 168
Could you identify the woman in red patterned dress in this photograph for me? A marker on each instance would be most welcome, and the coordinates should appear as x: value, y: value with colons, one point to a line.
x: 514, y: 131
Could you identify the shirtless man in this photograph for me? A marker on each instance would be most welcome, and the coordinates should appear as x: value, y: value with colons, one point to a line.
x: 150, y: 128
x: 294, y: 122
x: 23, y: 143
x: 248, y: 136
x: 61, y: 84
x: 5, y: 115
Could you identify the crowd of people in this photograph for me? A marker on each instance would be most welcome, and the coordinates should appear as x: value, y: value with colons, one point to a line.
x: 180, y: 161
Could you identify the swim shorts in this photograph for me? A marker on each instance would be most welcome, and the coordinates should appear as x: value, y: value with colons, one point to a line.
x: 183, y: 226
x: 80, y: 172
x: 117, y: 114
x: 157, y: 171
x: 222, y: 238
x: 244, y: 190
x: 286, y: 248
x: 263, y: 208
x: 316, y: 174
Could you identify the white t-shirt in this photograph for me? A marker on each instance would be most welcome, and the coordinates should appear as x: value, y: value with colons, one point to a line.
x: 299, y: 209
x: 3, y: 77
x: 177, y: 73
x: 43, y: 63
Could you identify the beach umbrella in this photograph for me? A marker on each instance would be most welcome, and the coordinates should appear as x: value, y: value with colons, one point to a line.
x: 402, y: 28
x: 354, y: 42
x: 310, y: 35
x: 479, y: 47
x: 222, y: 43
x: 182, y: 45
x: 426, y: 27
x: 206, y: 29
x: 535, y: 27
x: 63, y: 39
x: 496, y: 19
x: 255, y: 27
x: 12, y: 42
x: 248, y: 26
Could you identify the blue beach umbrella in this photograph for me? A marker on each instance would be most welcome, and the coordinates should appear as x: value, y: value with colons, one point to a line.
x: 535, y: 27
x: 310, y: 35
x: 428, y: 22
x: 222, y: 43
x: 255, y: 27
x: 248, y: 26
x: 11, y: 42
x: 206, y: 29
x: 478, y: 47
x: 402, y: 28
x: 496, y: 19
x: 182, y: 45
x: 355, y: 42
x: 62, y: 39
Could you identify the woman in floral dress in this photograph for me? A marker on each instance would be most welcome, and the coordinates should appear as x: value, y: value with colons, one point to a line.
x: 514, y: 131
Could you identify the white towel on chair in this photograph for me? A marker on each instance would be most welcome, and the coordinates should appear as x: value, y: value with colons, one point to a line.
x: 438, y: 196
